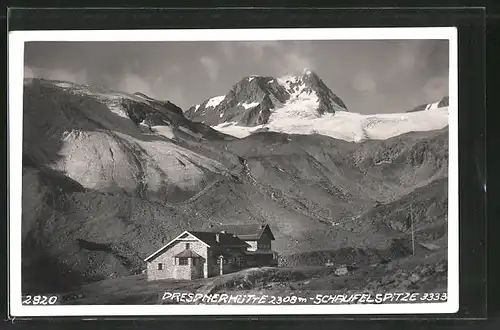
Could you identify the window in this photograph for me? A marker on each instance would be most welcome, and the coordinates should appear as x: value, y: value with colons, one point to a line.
x: 187, y: 246
x: 183, y: 261
x: 160, y: 266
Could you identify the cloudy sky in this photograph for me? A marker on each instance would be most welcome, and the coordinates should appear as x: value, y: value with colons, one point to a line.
x: 370, y: 76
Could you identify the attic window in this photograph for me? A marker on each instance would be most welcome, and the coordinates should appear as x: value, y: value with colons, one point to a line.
x: 160, y: 266
x: 187, y: 246
x: 183, y: 261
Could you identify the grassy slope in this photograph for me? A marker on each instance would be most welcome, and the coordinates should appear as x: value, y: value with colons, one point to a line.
x: 101, y: 235
x: 308, y: 188
x: 420, y: 273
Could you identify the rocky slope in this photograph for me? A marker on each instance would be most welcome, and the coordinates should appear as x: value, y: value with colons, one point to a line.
x: 116, y: 142
x: 444, y: 102
x: 110, y: 177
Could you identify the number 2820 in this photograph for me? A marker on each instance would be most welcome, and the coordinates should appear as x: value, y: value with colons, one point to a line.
x: 39, y: 300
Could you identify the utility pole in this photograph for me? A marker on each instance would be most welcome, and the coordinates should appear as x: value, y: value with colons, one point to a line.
x: 412, y: 231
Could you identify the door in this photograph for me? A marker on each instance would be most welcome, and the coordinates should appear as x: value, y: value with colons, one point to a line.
x: 197, y: 267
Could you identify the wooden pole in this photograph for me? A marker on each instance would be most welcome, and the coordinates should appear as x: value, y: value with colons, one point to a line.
x: 412, y: 231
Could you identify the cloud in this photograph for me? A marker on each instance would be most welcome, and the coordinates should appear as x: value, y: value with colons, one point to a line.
x: 297, y: 61
x: 61, y: 74
x: 285, y: 56
x: 291, y: 63
x: 132, y: 83
x: 363, y: 82
x: 227, y: 49
x: 256, y: 50
x: 160, y: 79
x: 413, y: 54
x: 28, y: 72
x: 407, y: 57
x: 78, y: 77
x: 173, y: 70
x: 417, y: 60
x: 176, y: 96
x: 211, y: 66
x: 407, y: 60
x: 259, y: 48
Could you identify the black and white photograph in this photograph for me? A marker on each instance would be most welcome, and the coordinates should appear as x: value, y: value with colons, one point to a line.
x: 274, y: 171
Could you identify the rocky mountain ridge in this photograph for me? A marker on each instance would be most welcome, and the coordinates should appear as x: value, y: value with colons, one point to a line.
x: 444, y: 102
x: 251, y: 101
x: 303, y: 104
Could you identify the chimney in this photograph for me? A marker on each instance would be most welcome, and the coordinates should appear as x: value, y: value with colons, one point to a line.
x: 217, y: 238
x: 262, y: 226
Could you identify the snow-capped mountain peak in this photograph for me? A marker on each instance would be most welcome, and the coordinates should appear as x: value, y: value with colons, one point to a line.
x: 255, y: 99
x: 292, y: 79
x: 301, y: 103
x: 307, y: 87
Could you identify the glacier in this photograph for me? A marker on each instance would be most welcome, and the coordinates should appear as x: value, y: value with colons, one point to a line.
x: 348, y: 126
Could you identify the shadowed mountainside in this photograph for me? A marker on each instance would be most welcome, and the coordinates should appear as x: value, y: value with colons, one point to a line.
x: 109, y: 178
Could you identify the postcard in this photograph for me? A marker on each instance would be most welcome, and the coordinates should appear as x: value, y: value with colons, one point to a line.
x: 233, y: 172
